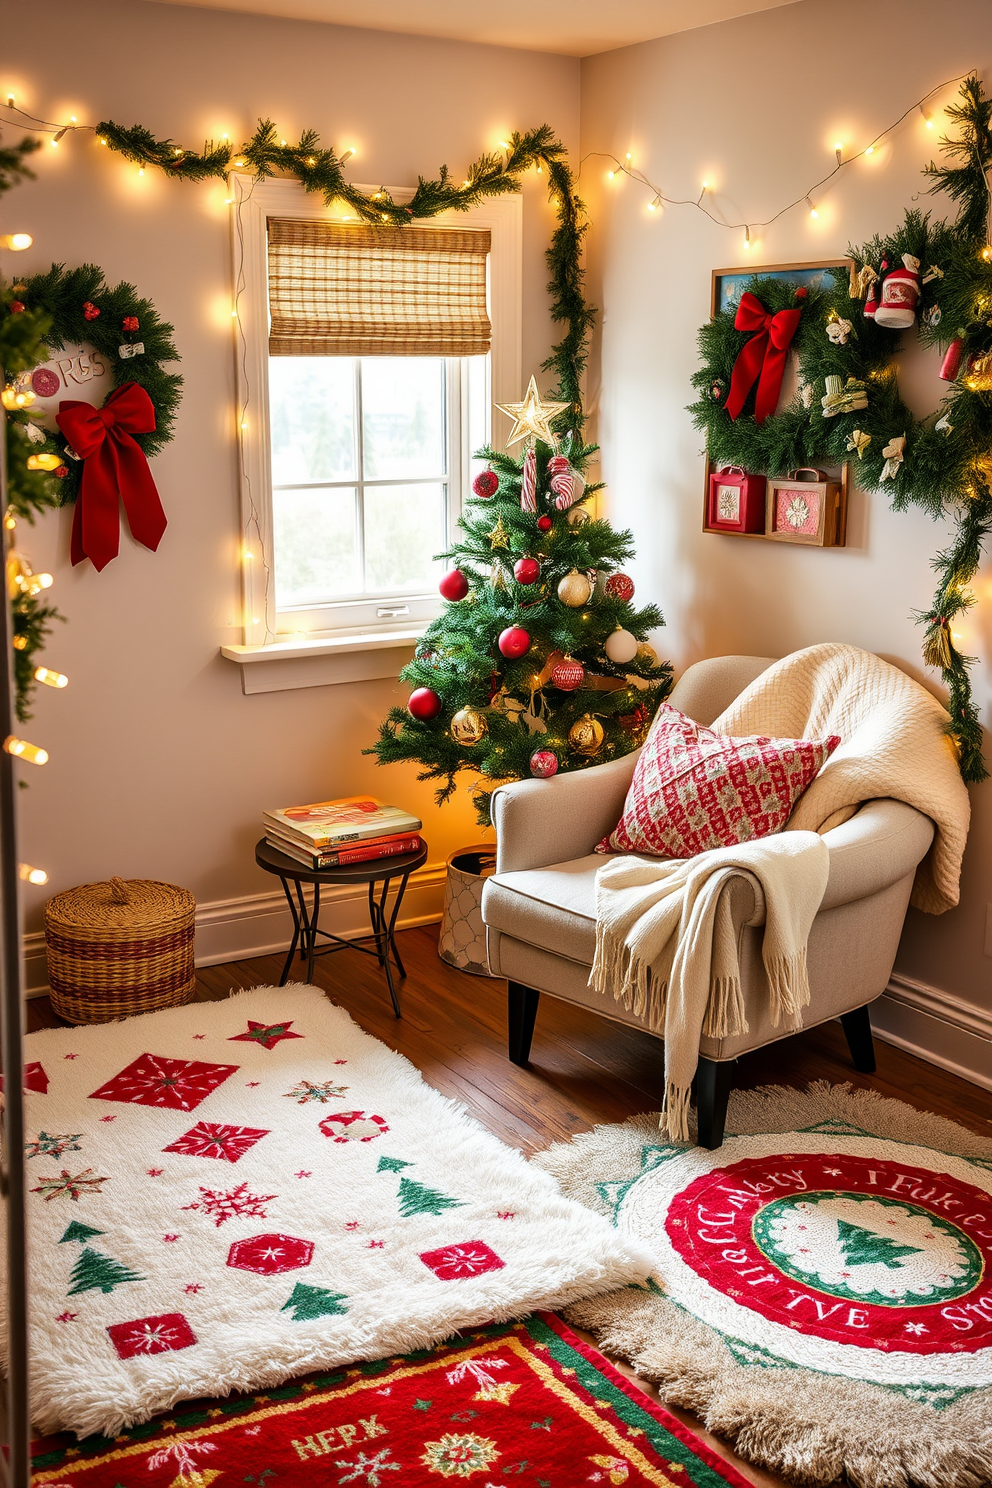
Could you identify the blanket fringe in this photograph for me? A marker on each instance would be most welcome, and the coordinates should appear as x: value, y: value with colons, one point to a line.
x: 788, y: 984
x: 725, y: 1015
x: 631, y: 981
x: 674, y: 1118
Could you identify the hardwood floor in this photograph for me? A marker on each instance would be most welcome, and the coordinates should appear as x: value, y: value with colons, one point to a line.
x: 584, y: 1069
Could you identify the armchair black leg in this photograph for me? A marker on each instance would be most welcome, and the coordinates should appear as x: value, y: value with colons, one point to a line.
x: 521, y: 1004
x: 714, y: 1079
x: 857, y: 1031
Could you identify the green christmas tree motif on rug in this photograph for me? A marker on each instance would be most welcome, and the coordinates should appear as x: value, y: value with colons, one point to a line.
x: 95, y: 1271
x: 79, y: 1231
x: 392, y: 1165
x: 310, y: 1302
x: 863, y: 1247
x: 417, y: 1198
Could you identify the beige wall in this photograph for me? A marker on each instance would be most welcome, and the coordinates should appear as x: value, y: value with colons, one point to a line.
x: 160, y: 767
x: 756, y: 104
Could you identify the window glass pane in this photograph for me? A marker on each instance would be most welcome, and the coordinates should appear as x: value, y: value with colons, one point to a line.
x: 316, y: 545
x: 312, y: 414
x: 404, y: 528
x: 403, y: 416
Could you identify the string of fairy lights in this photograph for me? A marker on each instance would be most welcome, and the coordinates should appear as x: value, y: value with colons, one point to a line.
x: 19, y: 573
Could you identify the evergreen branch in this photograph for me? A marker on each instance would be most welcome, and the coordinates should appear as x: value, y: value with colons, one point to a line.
x: 13, y: 163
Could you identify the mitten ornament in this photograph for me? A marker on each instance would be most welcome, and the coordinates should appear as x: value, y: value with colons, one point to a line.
x: 900, y: 295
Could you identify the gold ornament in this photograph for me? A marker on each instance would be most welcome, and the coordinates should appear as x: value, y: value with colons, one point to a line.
x: 532, y: 416
x: 468, y: 726
x: 586, y: 735
x: 647, y: 655
x: 499, y: 537
x: 574, y: 590
x: 577, y: 516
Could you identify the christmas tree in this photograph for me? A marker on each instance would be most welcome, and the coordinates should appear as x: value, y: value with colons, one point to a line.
x: 862, y: 1247
x: 539, y: 661
x: 417, y: 1198
x: 95, y: 1270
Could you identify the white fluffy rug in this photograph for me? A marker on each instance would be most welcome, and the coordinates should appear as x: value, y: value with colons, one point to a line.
x: 227, y: 1194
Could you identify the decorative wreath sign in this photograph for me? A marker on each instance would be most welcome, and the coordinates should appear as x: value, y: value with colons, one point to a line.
x: 936, y: 277
x: 99, y: 406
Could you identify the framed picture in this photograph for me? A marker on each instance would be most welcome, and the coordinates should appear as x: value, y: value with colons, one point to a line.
x: 726, y: 288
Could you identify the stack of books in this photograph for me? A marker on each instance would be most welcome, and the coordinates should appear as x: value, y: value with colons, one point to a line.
x: 354, y: 829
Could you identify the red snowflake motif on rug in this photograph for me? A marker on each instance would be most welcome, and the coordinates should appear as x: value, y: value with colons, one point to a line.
x: 266, y: 1034
x: 151, y: 1335
x: 269, y: 1254
x: 213, y: 1139
x: 219, y: 1205
x: 453, y: 1262
x: 35, y: 1079
x: 353, y: 1126
x: 176, y: 1084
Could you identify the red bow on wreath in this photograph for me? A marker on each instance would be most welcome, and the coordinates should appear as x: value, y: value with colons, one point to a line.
x: 762, y: 359
x: 114, y: 469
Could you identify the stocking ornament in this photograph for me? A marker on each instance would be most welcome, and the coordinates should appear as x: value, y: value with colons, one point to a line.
x: 871, y: 303
x: 900, y: 295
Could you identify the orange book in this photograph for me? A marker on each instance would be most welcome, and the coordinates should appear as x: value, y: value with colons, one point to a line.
x: 349, y: 819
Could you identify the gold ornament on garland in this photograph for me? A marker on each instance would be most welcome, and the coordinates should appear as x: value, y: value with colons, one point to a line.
x: 937, y: 645
x: 574, y: 590
x: 646, y: 654
x: 586, y: 735
x: 468, y: 726
x: 532, y: 416
x: 858, y: 440
x: 499, y: 537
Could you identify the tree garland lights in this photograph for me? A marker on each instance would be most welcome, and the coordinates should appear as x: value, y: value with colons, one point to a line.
x: 848, y: 405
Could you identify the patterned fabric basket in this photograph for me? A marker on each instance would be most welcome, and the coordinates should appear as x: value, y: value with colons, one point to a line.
x: 462, y: 941
x: 119, y: 948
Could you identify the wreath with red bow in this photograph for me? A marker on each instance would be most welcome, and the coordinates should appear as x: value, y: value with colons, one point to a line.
x: 96, y: 456
x: 847, y: 405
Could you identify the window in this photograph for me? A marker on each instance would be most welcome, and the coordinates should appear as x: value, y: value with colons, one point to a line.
x: 356, y: 428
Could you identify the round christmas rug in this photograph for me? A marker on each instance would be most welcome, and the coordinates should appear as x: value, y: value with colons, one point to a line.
x: 823, y: 1292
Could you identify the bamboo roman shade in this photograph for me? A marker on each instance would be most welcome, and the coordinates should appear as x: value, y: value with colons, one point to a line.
x: 337, y: 289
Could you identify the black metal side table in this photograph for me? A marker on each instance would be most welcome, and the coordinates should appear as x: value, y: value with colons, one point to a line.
x: 294, y: 875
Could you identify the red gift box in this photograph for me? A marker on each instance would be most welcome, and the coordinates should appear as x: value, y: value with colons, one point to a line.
x: 736, y: 501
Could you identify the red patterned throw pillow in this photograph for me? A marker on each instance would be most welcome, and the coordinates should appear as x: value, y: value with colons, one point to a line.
x: 694, y: 789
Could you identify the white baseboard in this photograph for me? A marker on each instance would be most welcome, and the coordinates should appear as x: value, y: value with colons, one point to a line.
x: 936, y: 1026
x: 261, y: 925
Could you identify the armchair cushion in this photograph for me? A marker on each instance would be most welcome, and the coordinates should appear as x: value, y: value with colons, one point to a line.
x: 694, y: 789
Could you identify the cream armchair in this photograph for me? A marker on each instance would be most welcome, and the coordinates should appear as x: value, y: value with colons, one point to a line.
x: 539, y: 906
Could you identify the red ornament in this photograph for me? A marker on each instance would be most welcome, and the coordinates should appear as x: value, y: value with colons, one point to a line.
x: 951, y: 365
x: 90, y: 310
x: 514, y: 642
x: 619, y: 586
x: 424, y: 704
x: 486, y: 483
x: 62, y: 471
x: 543, y: 764
x: 454, y: 585
x: 800, y: 293
x: 526, y: 570
x: 568, y: 675
x: 130, y: 322
x: 45, y: 382
x: 16, y: 306
x: 545, y: 524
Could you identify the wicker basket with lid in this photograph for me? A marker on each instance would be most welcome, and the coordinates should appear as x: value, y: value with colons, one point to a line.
x: 119, y: 948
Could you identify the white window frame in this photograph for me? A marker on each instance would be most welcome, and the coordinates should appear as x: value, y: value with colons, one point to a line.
x: 254, y: 203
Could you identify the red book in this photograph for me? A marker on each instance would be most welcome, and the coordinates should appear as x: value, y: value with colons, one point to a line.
x: 380, y: 847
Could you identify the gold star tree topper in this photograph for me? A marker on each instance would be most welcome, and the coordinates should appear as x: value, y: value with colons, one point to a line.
x: 532, y: 416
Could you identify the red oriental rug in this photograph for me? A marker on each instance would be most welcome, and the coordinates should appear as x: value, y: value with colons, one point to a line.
x: 521, y: 1405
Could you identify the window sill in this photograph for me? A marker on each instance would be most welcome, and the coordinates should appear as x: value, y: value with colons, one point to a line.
x: 323, y: 661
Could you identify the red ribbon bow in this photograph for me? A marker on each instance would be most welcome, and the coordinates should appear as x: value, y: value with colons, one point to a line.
x: 763, y: 357
x: 114, y: 468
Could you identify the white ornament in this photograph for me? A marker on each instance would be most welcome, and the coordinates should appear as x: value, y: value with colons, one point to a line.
x: 943, y: 425
x: 838, y: 331
x: 621, y: 646
x: 134, y: 349
x: 36, y: 435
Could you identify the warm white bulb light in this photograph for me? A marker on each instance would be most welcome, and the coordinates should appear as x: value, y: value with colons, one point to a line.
x: 32, y: 875
x: 50, y: 678
x: 17, y: 242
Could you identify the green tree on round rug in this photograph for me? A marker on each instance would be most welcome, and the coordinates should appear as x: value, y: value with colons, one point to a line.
x: 539, y: 661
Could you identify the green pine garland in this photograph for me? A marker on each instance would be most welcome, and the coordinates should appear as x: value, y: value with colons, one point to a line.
x: 493, y: 174
x: 946, y: 465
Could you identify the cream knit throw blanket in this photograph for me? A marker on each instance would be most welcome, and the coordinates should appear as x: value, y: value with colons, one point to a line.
x: 666, y: 947
x: 894, y: 743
